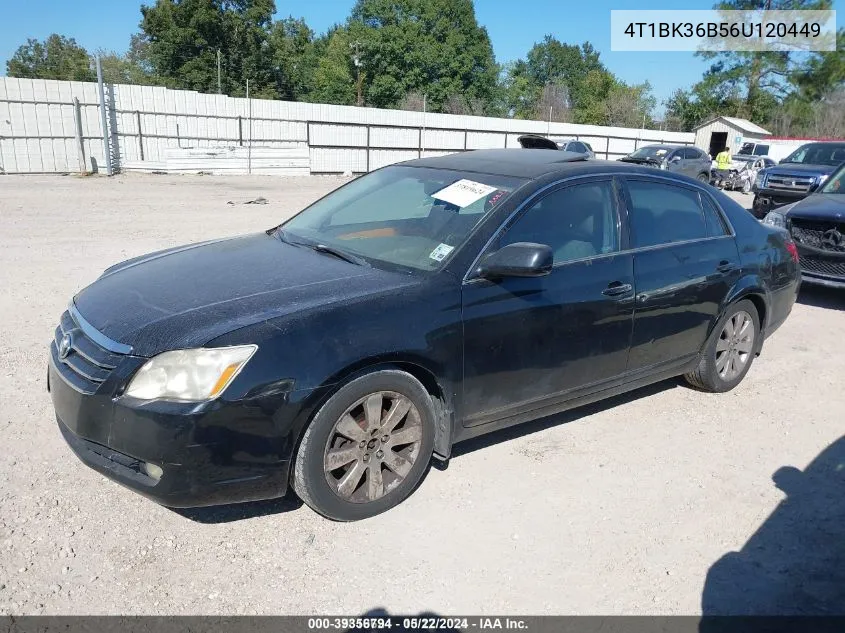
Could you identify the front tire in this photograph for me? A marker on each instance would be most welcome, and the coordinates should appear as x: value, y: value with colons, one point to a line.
x: 367, y: 447
x: 705, y: 178
x: 730, y: 352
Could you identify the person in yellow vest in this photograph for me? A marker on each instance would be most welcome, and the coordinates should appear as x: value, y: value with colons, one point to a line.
x: 723, y: 166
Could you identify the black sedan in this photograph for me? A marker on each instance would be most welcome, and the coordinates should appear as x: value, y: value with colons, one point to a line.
x: 817, y: 224
x: 415, y: 307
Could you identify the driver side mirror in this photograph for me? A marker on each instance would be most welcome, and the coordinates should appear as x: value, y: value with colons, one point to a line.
x: 675, y: 159
x: 521, y: 259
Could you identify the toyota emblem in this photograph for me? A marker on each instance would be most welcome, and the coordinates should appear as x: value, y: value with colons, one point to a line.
x: 64, y: 345
x: 833, y: 240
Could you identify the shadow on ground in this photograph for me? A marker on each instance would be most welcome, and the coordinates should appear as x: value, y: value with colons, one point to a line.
x: 821, y: 297
x: 795, y: 563
x: 241, y: 511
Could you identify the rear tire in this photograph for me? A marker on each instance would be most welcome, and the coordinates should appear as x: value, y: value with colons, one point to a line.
x: 702, y: 177
x: 367, y: 447
x: 729, y: 353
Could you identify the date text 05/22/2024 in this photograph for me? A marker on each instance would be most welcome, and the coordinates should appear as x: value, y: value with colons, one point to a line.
x: 417, y: 623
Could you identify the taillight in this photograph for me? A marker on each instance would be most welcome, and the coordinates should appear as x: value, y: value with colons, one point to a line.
x: 793, y: 250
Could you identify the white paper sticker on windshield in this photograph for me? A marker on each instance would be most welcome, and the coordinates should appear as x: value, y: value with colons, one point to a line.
x: 439, y: 253
x: 464, y: 192
x: 660, y: 152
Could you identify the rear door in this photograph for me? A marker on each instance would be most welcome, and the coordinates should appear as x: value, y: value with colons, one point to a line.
x: 685, y: 262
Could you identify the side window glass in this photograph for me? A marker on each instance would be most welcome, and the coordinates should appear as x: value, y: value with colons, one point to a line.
x: 715, y: 224
x: 662, y: 214
x: 761, y: 150
x: 576, y: 222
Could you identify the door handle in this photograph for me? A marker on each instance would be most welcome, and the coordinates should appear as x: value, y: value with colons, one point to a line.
x: 725, y: 266
x: 617, y: 288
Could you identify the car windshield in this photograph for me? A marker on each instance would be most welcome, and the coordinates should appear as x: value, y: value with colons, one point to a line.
x: 818, y: 154
x: 651, y: 152
x: 836, y: 183
x: 404, y: 217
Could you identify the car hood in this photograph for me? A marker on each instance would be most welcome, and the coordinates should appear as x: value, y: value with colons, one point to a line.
x: 819, y: 206
x: 187, y: 296
x: 800, y: 168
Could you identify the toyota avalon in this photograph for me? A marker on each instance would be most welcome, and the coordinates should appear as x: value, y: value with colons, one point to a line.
x: 418, y: 306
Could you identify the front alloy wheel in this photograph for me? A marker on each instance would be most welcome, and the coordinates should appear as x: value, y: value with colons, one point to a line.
x: 367, y: 447
x: 373, y: 446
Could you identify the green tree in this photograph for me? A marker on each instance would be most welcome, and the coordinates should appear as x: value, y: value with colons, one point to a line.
x: 595, y: 91
x: 57, y: 57
x: 432, y: 46
x: 334, y: 79
x: 823, y: 72
x: 184, y: 36
x: 132, y: 67
x: 295, y: 58
x: 764, y: 76
x: 552, y: 67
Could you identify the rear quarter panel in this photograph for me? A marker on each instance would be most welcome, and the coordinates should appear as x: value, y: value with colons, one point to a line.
x: 768, y: 269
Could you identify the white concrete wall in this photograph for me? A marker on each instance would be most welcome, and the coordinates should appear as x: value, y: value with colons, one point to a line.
x: 38, y: 130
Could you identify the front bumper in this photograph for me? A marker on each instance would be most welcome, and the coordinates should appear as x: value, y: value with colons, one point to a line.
x: 821, y: 267
x: 766, y: 200
x: 210, y: 453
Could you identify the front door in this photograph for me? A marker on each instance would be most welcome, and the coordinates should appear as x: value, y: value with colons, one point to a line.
x: 685, y: 263
x: 529, y: 341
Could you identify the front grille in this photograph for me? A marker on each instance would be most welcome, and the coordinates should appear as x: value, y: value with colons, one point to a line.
x: 787, y: 182
x: 87, y: 364
x: 823, y: 266
x: 812, y: 233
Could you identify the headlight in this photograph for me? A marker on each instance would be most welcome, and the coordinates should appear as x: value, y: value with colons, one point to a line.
x: 189, y: 375
x: 774, y: 218
x: 758, y: 180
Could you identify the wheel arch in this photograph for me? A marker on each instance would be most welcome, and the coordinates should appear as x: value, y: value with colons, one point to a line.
x: 438, y: 387
x: 752, y: 289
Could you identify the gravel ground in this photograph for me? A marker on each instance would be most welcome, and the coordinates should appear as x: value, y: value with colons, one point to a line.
x: 617, y: 508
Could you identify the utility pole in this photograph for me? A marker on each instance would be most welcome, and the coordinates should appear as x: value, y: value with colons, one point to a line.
x: 249, y: 145
x: 356, y: 60
x: 219, y: 89
x: 103, y: 122
x: 422, y: 133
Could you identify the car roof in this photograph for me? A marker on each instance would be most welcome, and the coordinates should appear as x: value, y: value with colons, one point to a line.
x: 528, y: 163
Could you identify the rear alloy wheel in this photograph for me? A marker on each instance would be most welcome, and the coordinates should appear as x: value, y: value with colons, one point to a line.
x: 703, y: 178
x: 367, y: 448
x: 730, y: 351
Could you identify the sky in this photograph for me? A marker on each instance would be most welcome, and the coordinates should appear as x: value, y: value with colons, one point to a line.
x: 513, y: 27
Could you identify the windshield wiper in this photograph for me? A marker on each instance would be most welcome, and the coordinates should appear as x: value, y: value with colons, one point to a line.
x: 323, y: 248
x: 331, y: 250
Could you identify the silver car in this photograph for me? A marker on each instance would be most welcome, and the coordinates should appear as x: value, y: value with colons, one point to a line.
x: 577, y: 147
x: 535, y: 141
x: 683, y: 159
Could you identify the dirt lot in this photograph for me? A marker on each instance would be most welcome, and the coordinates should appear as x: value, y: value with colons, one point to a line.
x: 618, y: 508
